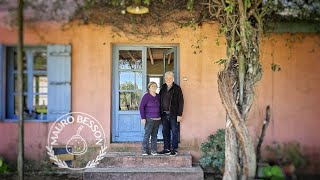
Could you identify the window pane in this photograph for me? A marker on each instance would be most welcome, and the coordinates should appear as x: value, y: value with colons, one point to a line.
x: 130, y: 81
x: 130, y: 59
x: 27, y: 113
x: 40, y: 61
x: 129, y: 101
x: 40, y: 84
x: 39, y: 108
x: 40, y: 103
x: 24, y: 61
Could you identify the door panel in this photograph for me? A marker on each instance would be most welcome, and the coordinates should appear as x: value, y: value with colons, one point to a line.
x: 128, y: 123
x: 128, y: 86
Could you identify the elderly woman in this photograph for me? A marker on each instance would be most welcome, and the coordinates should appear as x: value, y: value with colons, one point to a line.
x: 150, y: 117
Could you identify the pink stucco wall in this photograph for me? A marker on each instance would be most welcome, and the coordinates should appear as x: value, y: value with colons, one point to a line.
x: 292, y: 92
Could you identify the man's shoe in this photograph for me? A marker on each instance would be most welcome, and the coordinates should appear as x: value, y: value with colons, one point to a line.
x: 173, y: 153
x: 166, y: 151
x: 154, y: 153
x: 144, y: 153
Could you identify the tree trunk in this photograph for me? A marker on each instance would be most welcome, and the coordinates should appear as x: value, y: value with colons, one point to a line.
x: 226, y: 81
x: 263, y: 131
x: 20, y: 91
x: 231, y: 153
x: 240, y: 22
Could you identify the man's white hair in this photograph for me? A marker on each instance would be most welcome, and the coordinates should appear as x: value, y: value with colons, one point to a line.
x: 169, y: 73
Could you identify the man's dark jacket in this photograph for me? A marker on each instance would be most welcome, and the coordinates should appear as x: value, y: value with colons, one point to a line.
x: 176, y: 99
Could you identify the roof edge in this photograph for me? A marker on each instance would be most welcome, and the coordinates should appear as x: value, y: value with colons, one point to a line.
x: 293, y: 27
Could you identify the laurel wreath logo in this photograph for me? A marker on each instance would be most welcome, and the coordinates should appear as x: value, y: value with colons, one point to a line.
x: 63, y: 164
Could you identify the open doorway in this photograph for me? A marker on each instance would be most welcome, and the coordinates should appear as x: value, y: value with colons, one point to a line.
x: 133, y: 68
x: 159, y: 61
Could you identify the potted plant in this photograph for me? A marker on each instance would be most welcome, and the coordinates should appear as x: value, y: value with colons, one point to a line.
x: 287, y: 155
x: 272, y: 172
x: 4, y: 168
x: 213, y: 151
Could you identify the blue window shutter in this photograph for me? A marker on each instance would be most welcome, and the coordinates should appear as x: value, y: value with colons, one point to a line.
x: 2, y: 80
x: 59, y: 80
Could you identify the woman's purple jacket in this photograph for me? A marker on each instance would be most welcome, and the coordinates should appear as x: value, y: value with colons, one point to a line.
x: 150, y: 106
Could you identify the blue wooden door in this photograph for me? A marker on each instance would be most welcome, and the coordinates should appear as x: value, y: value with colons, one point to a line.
x: 129, y: 85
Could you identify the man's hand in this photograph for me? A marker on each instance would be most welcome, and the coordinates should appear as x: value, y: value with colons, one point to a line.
x: 143, y: 122
x: 179, y: 118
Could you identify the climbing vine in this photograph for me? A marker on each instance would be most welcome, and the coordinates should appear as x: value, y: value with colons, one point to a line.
x: 241, y: 22
x: 164, y: 17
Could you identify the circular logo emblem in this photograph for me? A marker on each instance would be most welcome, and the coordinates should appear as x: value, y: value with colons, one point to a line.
x: 71, y: 136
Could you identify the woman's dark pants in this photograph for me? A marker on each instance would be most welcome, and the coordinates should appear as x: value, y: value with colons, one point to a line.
x: 150, y: 129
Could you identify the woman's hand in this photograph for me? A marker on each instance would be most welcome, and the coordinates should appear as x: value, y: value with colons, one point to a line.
x: 143, y: 121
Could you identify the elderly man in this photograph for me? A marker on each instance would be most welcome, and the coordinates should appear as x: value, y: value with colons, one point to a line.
x: 171, y: 109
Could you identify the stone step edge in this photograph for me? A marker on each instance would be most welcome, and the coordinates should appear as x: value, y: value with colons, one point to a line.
x: 136, y: 147
x: 135, y: 154
x: 192, y: 169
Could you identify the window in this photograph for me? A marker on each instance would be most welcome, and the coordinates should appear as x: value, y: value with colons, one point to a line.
x: 46, y: 89
x: 130, y: 77
x: 35, y: 89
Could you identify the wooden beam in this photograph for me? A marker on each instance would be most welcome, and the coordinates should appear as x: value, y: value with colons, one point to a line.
x: 150, y: 56
x: 169, y: 58
x: 131, y: 56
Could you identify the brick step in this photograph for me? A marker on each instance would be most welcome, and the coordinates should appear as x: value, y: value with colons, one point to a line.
x: 182, y: 173
x: 130, y: 147
x: 133, y: 159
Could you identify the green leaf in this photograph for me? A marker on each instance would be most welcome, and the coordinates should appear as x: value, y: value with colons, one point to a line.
x: 224, y: 30
x: 213, y: 154
x: 221, y: 61
x: 3, y: 166
x: 247, y: 3
x: 229, y: 2
x: 229, y: 50
x: 266, y: 171
x: 146, y: 2
x: 276, y: 171
x: 190, y: 4
x: 238, y: 46
x: 229, y: 9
